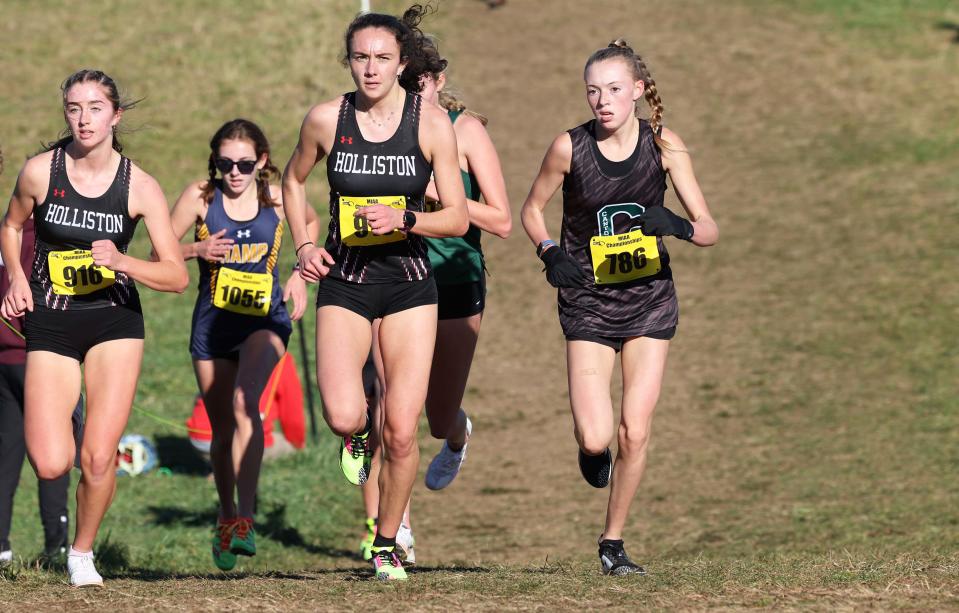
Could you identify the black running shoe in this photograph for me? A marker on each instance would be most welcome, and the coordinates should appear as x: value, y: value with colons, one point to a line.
x: 596, y: 469
x: 614, y: 561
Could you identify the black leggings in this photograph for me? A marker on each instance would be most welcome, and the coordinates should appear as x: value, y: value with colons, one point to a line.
x: 53, y: 492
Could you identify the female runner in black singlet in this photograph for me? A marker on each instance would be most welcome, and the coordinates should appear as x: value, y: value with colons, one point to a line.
x: 612, y: 270
x: 381, y: 144
x: 80, y: 300
x: 240, y: 322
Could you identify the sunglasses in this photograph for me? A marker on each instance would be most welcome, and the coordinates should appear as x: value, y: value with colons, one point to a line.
x: 225, y: 165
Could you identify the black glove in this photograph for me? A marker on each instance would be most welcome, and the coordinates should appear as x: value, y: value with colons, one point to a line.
x: 562, y: 270
x: 660, y: 221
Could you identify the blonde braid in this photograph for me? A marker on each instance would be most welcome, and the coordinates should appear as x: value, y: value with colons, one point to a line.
x: 451, y: 103
x: 641, y: 73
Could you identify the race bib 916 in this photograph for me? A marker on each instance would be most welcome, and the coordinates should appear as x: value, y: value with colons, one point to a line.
x: 73, y: 273
x: 356, y: 231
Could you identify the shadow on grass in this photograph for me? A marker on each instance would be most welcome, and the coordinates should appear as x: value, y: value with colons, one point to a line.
x: 177, y: 454
x: 272, y: 525
x: 951, y: 27
x: 348, y: 573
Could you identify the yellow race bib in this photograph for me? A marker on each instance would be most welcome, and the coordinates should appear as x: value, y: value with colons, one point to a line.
x: 247, y: 293
x: 355, y: 231
x: 73, y: 273
x: 624, y: 257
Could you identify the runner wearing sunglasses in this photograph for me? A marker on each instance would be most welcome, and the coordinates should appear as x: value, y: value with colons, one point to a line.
x: 240, y: 322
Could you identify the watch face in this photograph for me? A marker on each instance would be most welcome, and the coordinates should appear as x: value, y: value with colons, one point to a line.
x: 409, y: 219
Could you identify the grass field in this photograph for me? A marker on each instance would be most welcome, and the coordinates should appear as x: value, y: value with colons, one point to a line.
x: 807, y: 440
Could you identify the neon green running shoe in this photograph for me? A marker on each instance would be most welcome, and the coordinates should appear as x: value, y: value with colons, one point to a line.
x: 387, y: 565
x: 356, y: 457
x: 242, y: 543
x: 366, y: 544
x: 222, y: 537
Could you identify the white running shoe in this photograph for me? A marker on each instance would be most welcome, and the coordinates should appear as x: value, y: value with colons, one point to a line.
x: 6, y: 557
x: 405, y: 543
x: 82, y: 571
x: 446, y: 465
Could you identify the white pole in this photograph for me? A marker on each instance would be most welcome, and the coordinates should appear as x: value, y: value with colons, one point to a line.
x: 364, y: 6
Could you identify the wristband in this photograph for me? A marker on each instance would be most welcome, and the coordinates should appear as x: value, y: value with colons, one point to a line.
x: 297, y: 252
x: 543, y: 246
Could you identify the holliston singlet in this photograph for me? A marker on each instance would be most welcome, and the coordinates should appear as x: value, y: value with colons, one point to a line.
x: 247, y: 281
x: 458, y: 259
x: 632, y: 291
x: 63, y: 275
x: 360, y: 172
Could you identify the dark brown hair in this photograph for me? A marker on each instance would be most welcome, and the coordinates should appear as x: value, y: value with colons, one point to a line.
x: 433, y: 64
x: 620, y: 49
x: 113, y: 95
x: 408, y: 36
x: 243, y: 129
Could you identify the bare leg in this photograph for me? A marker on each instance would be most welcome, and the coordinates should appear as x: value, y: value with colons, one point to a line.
x: 110, y: 392
x: 589, y: 368
x: 644, y: 361
x: 259, y: 355
x: 343, y: 341
x: 455, y: 345
x: 406, y: 339
x: 215, y: 379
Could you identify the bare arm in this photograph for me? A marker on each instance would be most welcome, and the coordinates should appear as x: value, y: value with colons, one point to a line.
x: 679, y: 165
x: 316, y: 135
x: 168, y: 273
x: 495, y: 216
x: 29, y: 191
x: 554, y: 169
x: 189, y: 210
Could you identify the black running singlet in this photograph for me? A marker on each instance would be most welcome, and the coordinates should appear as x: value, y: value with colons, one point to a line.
x: 64, y: 276
x: 393, y: 172
x: 631, y: 291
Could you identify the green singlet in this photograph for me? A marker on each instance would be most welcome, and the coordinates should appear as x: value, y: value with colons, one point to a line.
x: 460, y: 259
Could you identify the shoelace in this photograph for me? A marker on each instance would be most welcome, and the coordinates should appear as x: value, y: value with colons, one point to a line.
x: 451, y: 459
x: 357, y: 446
x: 388, y: 557
x: 225, y: 532
x: 243, y: 527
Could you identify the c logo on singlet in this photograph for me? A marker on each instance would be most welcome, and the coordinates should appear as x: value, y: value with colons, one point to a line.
x: 620, y: 252
x: 618, y: 218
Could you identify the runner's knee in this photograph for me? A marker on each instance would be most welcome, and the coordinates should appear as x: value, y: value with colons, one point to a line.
x: 633, y: 441
x: 52, y: 468
x: 96, y: 464
x: 399, y: 443
x: 345, y: 424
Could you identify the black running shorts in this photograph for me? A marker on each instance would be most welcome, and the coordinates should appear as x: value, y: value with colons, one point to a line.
x: 617, y: 342
x: 74, y: 333
x: 376, y: 300
x: 461, y: 300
